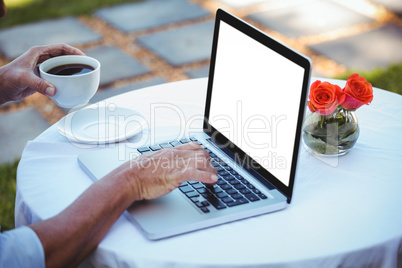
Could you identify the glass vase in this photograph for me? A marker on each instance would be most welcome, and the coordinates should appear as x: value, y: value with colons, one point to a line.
x: 330, y: 135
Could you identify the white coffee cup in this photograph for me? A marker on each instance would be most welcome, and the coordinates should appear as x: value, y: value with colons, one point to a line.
x: 72, y: 90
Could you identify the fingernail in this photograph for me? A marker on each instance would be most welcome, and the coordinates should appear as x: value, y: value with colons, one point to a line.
x: 214, y: 178
x: 50, y: 91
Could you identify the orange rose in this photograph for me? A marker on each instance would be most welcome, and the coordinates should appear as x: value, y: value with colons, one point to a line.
x: 324, y: 97
x: 357, y: 91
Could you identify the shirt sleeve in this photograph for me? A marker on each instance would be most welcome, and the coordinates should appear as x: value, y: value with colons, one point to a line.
x: 21, y: 247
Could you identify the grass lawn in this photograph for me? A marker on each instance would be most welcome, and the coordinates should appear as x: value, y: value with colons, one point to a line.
x: 8, y: 174
x: 24, y: 11
x: 389, y: 79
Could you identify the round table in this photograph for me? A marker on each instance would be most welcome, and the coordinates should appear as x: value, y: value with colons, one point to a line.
x: 346, y: 211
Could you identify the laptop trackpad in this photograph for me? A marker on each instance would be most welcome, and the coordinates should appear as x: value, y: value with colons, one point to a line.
x: 164, y: 214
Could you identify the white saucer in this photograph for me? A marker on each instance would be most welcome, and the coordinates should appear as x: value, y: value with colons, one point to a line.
x: 101, y: 125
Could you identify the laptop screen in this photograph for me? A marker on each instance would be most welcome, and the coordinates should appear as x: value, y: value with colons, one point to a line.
x: 255, y: 99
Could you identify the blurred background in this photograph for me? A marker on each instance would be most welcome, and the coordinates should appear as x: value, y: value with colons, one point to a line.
x: 148, y: 42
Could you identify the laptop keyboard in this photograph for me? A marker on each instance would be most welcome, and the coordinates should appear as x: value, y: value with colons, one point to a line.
x: 230, y: 190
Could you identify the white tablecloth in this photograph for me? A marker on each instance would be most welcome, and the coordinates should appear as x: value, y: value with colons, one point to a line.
x: 345, y: 212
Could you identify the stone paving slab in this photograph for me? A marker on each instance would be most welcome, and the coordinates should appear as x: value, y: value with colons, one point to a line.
x: 115, y: 64
x: 113, y: 91
x: 16, y: 129
x: 16, y: 40
x: 149, y: 14
x: 315, y: 73
x: 199, y: 72
x: 308, y: 17
x: 182, y: 45
x: 366, y: 51
x: 393, y: 5
x: 241, y: 3
x: 204, y: 72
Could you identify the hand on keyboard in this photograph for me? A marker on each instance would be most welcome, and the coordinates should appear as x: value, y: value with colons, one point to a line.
x: 159, y: 172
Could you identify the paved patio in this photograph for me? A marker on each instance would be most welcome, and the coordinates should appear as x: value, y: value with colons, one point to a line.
x: 157, y: 41
x: 184, y: 45
x: 295, y: 19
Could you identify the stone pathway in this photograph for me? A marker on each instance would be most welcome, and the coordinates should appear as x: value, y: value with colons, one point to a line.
x: 157, y: 41
x: 365, y: 51
x: 16, y: 128
x: 115, y: 64
x: 180, y: 46
x: 130, y: 18
x: 17, y: 40
x: 294, y: 19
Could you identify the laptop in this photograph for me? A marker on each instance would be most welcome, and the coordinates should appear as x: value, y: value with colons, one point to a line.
x: 254, y: 110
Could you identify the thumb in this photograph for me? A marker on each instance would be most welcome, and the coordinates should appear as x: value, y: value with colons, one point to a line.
x: 38, y: 84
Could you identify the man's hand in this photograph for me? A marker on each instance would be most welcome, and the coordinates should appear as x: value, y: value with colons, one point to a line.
x: 82, y: 225
x: 158, y: 173
x: 18, y: 78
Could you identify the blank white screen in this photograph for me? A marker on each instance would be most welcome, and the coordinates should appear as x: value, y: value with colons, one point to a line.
x: 255, y: 100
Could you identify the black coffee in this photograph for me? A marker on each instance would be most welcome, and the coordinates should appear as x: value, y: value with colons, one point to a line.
x: 71, y: 69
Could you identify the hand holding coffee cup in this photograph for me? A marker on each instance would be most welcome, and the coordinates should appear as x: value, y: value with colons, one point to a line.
x: 76, y: 79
